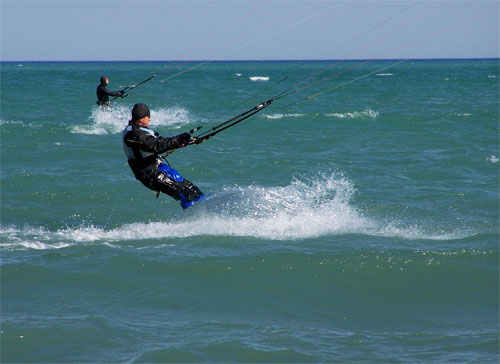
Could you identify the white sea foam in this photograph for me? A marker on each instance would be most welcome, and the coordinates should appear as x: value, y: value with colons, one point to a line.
x: 43, y: 246
x: 493, y: 159
x: 259, y: 79
x: 114, y: 120
x: 21, y: 123
x: 306, y: 208
x: 384, y: 74
x: 459, y: 114
x: 368, y: 113
x: 11, y: 122
x: 280, y: 116
x: 30, y: 238
x: 392, y: 229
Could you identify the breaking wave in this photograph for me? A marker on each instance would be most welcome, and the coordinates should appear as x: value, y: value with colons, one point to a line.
x: 281, y: 116
x: 114, y: 120
x: 368, y: 113
x: 306, y: 208
x: 21, y: 124
x: 259, y: 79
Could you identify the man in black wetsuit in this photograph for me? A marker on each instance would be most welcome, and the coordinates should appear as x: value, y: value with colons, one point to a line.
x: 103, y: 93
x: 142, y: 147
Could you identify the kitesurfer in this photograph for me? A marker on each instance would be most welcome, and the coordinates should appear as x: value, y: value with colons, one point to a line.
x: 143, y: 146
x: 103, y: 93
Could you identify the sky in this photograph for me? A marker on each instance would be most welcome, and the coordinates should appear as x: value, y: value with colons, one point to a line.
x: 163, y: 30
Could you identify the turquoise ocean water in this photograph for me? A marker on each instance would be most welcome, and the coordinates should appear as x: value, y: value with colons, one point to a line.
x: 361, y: 225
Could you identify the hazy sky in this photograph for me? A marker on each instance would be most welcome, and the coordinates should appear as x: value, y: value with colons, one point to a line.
x: 247, y: 30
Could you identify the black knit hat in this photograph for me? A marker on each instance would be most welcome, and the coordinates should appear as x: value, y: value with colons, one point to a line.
x: 139, y: 111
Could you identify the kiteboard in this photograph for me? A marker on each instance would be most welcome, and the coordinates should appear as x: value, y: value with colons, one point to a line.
x: 186, y: 205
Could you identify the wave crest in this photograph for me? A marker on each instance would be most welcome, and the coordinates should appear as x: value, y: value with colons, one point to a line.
x: 281, y: 116
x: 259, y: 78
x: 114, y: 120
x: 367, y: 113
x: 309, y: 207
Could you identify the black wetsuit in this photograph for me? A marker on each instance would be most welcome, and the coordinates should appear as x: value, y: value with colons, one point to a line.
x: 103, y: 94
x: 142, y: 147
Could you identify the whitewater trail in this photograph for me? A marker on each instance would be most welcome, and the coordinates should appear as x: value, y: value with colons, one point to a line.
x: 306, y: 208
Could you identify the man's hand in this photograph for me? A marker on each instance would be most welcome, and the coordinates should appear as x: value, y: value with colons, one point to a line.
x: 197, y: 140
x: 183, y: 139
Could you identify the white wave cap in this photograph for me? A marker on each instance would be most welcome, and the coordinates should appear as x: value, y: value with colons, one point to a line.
x: 309, y: 207
x: 367, y: 113
x: 493, y: 159
x: 115, y: 119
x: 21, y: 123
x: 259, y: 78
x: 281, y: 116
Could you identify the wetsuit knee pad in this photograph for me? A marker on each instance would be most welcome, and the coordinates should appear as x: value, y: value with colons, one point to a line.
x: 169, y: 181
x: 167, y: 185
x: 189, y: 191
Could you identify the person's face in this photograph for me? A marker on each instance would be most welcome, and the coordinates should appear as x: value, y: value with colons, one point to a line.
x: 106, y: 81
x: 145, y: 121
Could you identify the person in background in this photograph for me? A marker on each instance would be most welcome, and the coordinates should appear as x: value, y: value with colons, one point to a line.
x: 143, y: 146
x: 103, y: 93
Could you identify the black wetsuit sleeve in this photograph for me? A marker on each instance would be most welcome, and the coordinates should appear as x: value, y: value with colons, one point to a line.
x: 110, y: 93
x: 156, y: 145
x: 103, y: 93
x: 160, y: 144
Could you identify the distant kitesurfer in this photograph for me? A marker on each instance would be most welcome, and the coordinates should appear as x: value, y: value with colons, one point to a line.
x: 103, y: 93
x: 143, y: 146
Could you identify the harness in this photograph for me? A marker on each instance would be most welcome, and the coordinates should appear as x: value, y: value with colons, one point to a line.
x: 132, y: 147
x: 138, y: 158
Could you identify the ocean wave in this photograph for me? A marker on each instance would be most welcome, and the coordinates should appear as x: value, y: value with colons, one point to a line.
x: 493, y: 159
x: 258, y: 78
x: 368, y: 113
x: 114, y: 120
x: 11, y: 122
x: 306, y: 208
x: 20, y: 123
x: 384, y: 74
x: 457, y: 114
x: 31, y: 238
x: 281, y: 116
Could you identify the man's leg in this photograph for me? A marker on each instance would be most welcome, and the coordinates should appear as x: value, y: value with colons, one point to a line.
x: 170, y: 182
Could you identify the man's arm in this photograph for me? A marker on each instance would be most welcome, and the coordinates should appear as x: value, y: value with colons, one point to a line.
x: 160, y: 145
x: 103, y: 90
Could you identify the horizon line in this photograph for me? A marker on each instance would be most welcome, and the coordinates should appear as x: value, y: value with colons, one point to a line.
x: 254, y: 60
